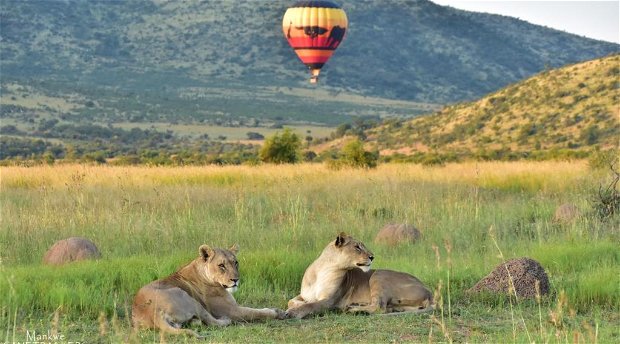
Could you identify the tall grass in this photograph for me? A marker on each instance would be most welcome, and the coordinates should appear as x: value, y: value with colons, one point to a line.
x: 148, y: 221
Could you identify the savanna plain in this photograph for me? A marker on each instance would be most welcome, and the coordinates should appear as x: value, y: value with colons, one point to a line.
x: 149, y: 221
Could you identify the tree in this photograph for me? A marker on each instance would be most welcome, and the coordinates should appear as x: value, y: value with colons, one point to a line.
x: 281, y: 148
x: 354, y: 155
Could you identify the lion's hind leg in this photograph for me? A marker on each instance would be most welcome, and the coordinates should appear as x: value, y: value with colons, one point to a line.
x: 166, y: 324
x: 209, y: 319
x: 376, y: 301
x: 175, y: 308
x: 409, y: 306
x: 377, y: 305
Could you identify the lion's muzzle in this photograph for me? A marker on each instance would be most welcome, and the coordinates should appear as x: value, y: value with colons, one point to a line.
x: 232, y: 287
x: 364, y: 266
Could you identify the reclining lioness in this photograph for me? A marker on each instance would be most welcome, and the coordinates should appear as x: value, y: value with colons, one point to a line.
x: 341, y: 278
x: 200, y: 290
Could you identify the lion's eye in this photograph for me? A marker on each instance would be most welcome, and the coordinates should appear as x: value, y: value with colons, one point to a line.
x: 222, y: 266
x: 358, y: 248
x: 236, y: 264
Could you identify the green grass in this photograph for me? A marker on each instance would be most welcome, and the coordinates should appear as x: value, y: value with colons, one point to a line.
x: 147, y: 222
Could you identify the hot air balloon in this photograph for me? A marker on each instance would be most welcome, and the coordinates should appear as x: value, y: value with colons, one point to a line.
x: 314, y: 28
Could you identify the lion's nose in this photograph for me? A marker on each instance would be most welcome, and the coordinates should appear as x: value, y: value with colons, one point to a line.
x: 234, y: 280
x: 371, y: 258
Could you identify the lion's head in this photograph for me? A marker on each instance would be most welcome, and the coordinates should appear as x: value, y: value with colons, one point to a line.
x: 351, y: 253
x: 220, y: 266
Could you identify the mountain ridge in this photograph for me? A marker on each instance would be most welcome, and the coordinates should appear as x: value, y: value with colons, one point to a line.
x: 409, y: 49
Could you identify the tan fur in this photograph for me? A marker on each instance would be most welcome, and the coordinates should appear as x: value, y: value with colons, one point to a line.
x: 200, y: 290
x: 341, y: 278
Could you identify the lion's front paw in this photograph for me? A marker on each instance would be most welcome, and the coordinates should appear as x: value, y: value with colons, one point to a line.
x: 223, y: 321
x: 297, y: 313
x: 280, y: 314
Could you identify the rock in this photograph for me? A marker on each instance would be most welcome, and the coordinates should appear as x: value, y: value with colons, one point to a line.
x: 393, y: 234
x: 524, y: 272
x: 71, y: 249
x: 566, y: 213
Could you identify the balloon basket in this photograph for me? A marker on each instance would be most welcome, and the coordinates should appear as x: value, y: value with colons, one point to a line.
x: 315, y: 75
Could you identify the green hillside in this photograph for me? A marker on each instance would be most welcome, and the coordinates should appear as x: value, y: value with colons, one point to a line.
x: 573, y: 108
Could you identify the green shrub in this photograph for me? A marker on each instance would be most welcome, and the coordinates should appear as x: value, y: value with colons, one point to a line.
x: 354, y: 155
x: 281, y: 148
x: 432, y: 159
x: 606, y: 202
x: 603, y: 159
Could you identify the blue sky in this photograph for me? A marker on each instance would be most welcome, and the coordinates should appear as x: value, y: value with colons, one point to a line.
x: 593, y: 19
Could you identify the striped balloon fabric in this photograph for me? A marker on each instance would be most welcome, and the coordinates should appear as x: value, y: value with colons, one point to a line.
x: 314, y: 29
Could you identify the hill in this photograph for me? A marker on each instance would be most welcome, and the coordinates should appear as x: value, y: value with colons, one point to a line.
x: 574, y: 108
x: 227, y: 63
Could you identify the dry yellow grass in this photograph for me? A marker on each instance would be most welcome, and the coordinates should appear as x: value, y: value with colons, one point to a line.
x: 550, y: 175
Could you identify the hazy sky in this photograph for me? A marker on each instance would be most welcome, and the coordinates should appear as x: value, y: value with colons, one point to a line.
x: 594, y: 19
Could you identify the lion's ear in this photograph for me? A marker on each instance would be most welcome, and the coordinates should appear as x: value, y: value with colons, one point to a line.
x: 341, y: 239
x: 205, y: 252
x: 234, y: 249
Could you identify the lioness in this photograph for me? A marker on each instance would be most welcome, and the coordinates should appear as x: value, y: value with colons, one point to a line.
x: 341, y: 278
x: 200, y: 290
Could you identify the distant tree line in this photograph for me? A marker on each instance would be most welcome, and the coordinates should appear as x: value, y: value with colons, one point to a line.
x: 98, y: 144
x: 89, y: 142
x: 20, y: 150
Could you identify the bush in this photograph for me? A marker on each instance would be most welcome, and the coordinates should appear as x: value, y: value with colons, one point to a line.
x: 126, y: 160
x: 603, y: 159
x: 309, y: 155
x: 354, y: 155
x: 281, y: 148
x: 590, y: 135
x: 97, y: 157
x: 607, y: 201
x: 254, y: 135
x: 432, y: 159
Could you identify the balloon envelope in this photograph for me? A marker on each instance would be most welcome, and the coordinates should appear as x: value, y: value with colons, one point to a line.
x: 314, y: 28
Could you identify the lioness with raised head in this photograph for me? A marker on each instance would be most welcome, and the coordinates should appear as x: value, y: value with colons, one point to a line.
x: 200, y: 290
x: 341, y: 278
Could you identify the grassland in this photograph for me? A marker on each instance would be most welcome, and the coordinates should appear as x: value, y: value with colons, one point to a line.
x: 148, y: 221
x: 232, y: 134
